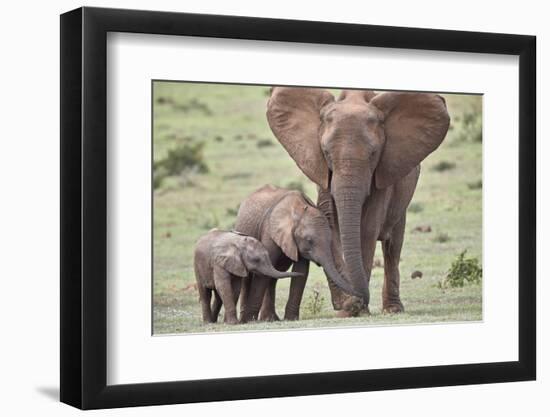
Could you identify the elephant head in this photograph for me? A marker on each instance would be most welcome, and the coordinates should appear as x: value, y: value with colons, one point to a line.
x: 300, y: 229
x: 350, y: 145
x: 243, y: 255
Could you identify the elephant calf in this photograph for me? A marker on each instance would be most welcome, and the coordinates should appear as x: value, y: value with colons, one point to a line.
x: 293, y: 230
x: 221, y: 260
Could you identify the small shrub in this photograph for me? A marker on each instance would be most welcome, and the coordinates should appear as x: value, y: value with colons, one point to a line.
x: 415, y: 207
x: 295, y: 185
x: 315, y: 303
x: 443, y: 166
x: 185, y: 161
x: 211, y: 222
x: 463, y: 271
x: 475, y: 185
x: 158, y: 178
x: 165, y: 100
x: 218, y: 138
x: 232, y: 211
x: 442, y: 238
x: 263, y: 143
x: 193, y: 105
x: 182, y: 158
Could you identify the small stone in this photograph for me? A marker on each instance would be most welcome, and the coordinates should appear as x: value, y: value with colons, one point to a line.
x: 416, y: 274
x: 423, y: 229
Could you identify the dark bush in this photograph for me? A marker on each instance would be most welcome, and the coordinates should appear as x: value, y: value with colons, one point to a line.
x: 263, y: 143
x: 194, y: 105
x: 475, y: 185
x: 442, y: 238
x: 415, y: 207
x: 469, y: 126
x: 186, y: 158
x: 295, y: 185
x: 232, y: 211
x: 444, y: 166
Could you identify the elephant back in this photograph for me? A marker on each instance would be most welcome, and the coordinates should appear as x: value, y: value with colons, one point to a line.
x: 256, y: 207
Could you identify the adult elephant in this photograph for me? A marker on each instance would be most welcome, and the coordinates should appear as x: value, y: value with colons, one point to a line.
x: 363, y: 151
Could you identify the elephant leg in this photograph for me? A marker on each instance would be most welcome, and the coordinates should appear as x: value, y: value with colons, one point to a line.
x: 245, y: 292
x: 216, y: 306
x: 236, y: 288
x: 258, y: 286
x: 391, y: 303
x: 223, y: 281
x: 297, y: 285
x: 205, y: 295
x: 267, y: 311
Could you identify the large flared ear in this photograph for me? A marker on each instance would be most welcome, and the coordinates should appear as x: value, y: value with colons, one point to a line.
x: 282, y: 222
x: 294, y: 117
x: 415, y: 125
x: 228, y: 257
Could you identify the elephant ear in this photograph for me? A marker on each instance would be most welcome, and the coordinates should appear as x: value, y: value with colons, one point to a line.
x: 228, y: 257
x: 282, y: 222
x: 294, y: 117
x: 415, y: 125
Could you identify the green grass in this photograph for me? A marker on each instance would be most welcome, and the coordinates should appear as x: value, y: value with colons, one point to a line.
x: 238, y: 165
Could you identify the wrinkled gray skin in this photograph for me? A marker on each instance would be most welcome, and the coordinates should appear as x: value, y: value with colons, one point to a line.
x: 294, y: 232
x: 221, y: 260
x: 363, y: 151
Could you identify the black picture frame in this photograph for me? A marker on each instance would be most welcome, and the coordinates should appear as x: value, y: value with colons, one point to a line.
x: 84, y: 207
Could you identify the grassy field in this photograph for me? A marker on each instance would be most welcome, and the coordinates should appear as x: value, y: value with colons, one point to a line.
x: 241, y: 154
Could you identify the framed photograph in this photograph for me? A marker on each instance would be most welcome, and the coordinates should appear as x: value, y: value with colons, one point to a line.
x: 256, y: 208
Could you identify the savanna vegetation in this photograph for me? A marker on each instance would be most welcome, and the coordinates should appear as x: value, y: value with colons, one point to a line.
x: 212, y: 147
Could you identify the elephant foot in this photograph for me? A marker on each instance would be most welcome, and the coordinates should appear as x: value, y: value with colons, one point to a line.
x: 352, y: 307
x: 292, y: 316
x: 231, y: 320
x: 393, y: 308
x: 271, y: 316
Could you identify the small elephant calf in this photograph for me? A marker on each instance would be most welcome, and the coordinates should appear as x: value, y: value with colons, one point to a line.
x: 222, y: 259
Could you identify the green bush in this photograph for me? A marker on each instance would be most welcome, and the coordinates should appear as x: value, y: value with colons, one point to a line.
x: 476, y: 185
x: 463, y: 271
x: 443, y: 166
x: 263, y: 143
x: 180, y: 160
x: 415, y: 207
x: 442, y: 238
x: 232, y: 211
x: 470, y: 127
x: 295, y: 185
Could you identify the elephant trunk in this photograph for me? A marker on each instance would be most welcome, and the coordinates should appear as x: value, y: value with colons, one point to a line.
x: 332, y: 273
x: 270, y: 271
x: 349, y: 202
